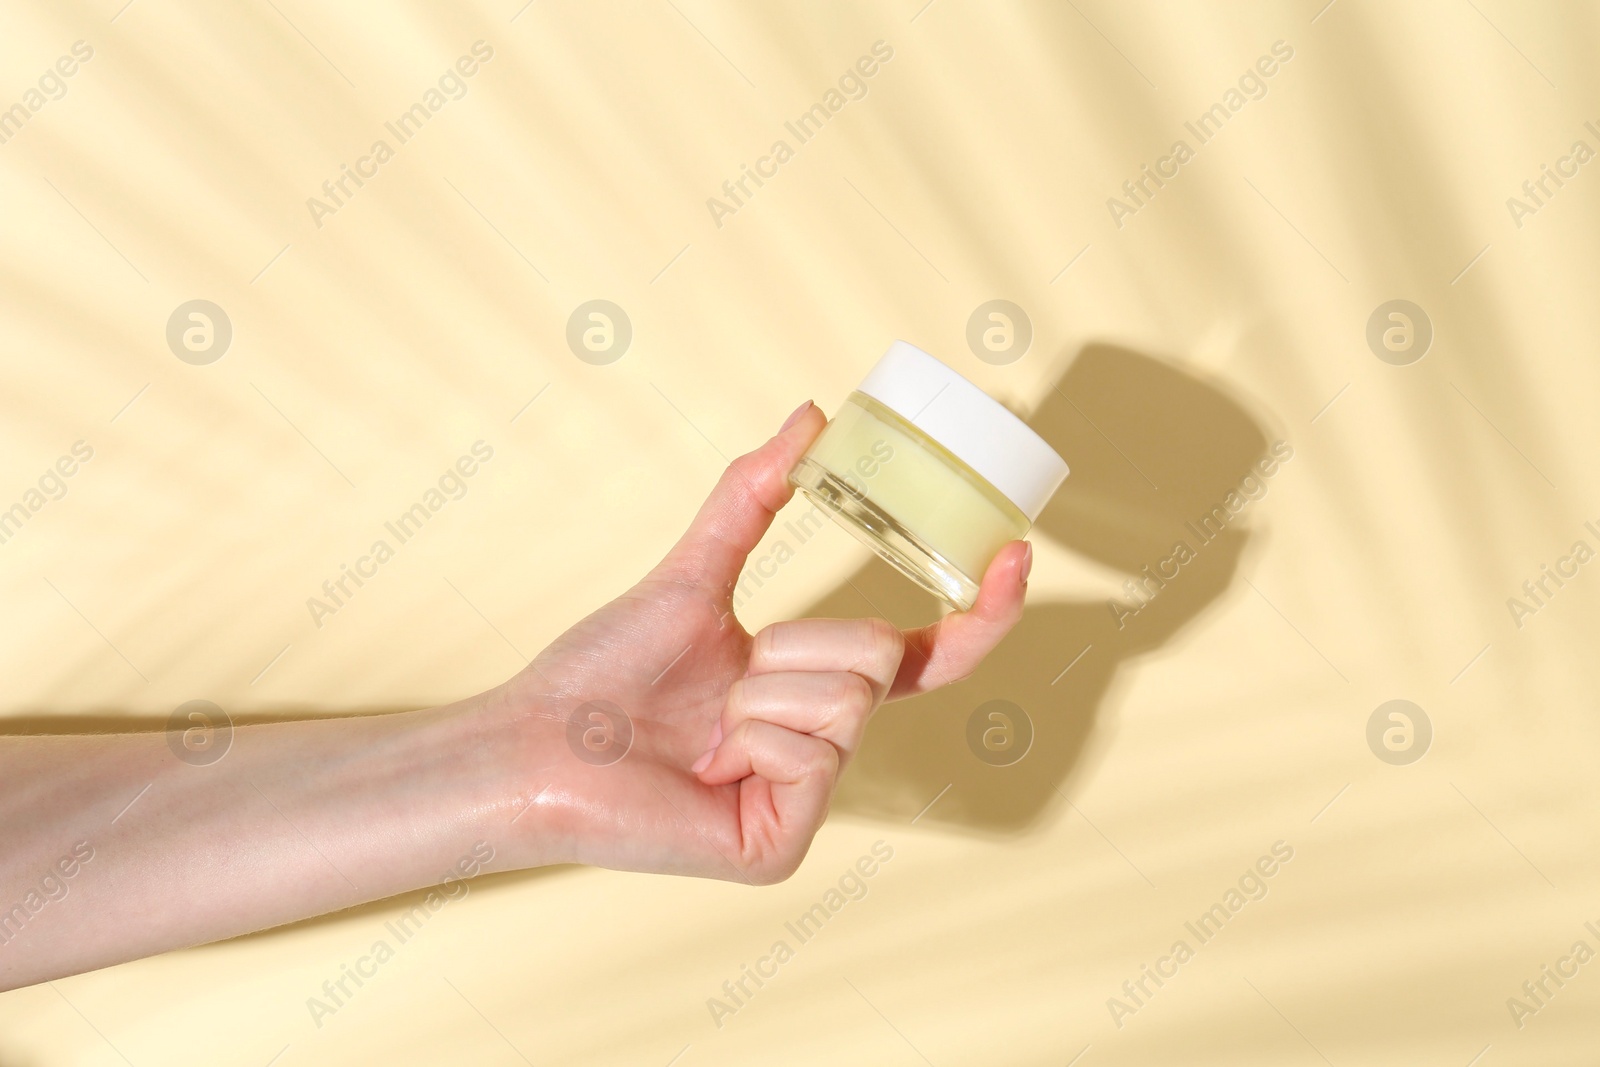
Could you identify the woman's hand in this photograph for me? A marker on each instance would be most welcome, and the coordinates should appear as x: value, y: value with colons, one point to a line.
x: 669, y: 739
x: 655, y: 735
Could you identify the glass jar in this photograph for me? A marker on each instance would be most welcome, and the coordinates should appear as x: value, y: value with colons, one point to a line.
x: 930, y: 472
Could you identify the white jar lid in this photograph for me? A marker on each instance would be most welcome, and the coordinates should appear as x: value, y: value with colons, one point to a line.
x: 976, y: 428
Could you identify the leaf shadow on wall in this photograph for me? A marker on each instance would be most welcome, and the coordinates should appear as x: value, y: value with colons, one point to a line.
x: 1153, y: 450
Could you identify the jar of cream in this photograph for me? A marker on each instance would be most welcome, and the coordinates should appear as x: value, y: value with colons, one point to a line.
x: 930, y: 472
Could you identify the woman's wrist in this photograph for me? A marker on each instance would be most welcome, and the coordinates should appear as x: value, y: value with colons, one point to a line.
x: 513, y: 771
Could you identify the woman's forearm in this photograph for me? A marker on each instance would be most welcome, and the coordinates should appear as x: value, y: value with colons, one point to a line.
x: 115, y: 848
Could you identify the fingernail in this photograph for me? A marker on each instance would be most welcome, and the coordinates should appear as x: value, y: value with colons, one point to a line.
x: 703, y: 762
x: 792, y: 419
x: 716, y: 733
x: 1027, y: 563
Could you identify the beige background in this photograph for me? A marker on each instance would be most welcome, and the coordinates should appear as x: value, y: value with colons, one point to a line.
x: 1227, y: 313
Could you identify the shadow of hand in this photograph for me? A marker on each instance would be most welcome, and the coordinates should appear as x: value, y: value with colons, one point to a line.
x: 1153, y: 451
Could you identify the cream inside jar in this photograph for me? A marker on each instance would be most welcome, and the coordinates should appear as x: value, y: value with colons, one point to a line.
x: 930, y: 472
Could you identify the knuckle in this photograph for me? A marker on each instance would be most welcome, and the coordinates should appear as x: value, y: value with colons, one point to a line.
x: 780, y: 869
x: 747, y: 735
x: 737, y: 707
x: 751, y: 477
x: 852, y: 693
x: 763, y: 649
x: 820, y: 760
x: 885, y: 643
x: 742, y: 466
